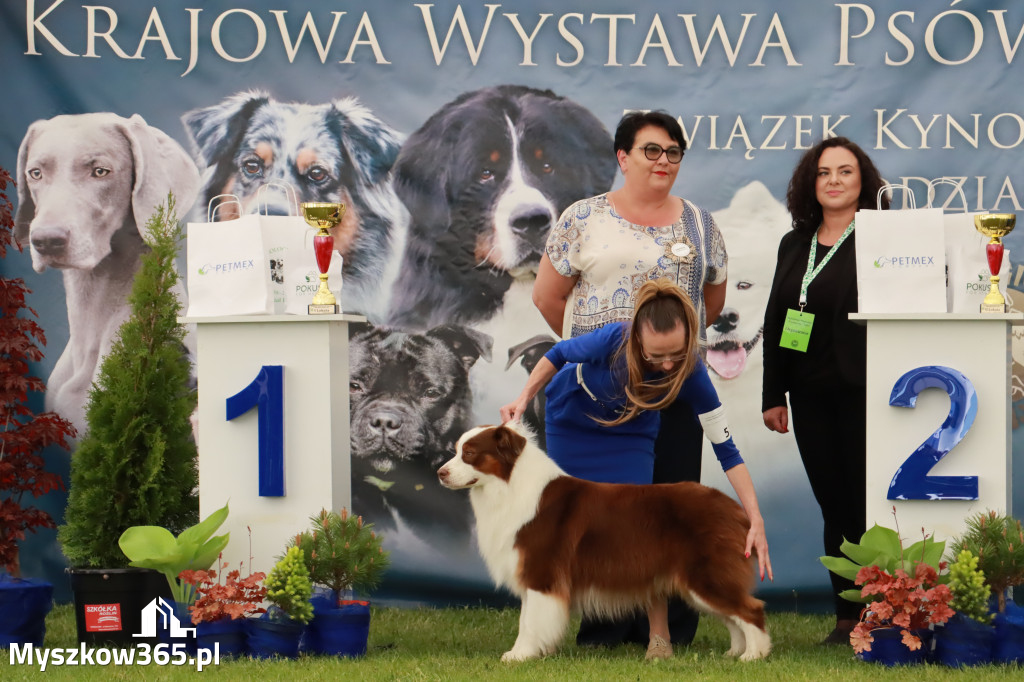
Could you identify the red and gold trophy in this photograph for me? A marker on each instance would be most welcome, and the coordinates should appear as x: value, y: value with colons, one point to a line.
x: 323, y: 216
x: 995, y: 226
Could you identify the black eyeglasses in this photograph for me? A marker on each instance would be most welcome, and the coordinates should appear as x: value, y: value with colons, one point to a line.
x: 653, y: 152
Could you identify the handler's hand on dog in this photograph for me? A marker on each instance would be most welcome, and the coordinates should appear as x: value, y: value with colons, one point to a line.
x: 777, y: 419
x: 757, y: 541
x: 513, y: 411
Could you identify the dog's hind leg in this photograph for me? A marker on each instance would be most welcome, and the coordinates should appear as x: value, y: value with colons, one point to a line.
x: 542, y: 621
x: 745, y: 622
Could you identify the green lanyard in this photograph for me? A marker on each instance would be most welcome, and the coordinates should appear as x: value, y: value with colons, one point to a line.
x: 812, y: 271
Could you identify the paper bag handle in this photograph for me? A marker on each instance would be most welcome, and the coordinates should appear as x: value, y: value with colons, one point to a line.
x: 211, y: 210
x: 906, y: 190
x: 946, y: 181
x: 289, y: 192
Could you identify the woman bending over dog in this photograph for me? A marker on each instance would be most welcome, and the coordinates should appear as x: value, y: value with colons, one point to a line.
x: 604, y: 393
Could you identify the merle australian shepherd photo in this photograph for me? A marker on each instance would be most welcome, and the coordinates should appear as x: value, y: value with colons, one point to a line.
x: 484, y: 179
x: 332, y: 151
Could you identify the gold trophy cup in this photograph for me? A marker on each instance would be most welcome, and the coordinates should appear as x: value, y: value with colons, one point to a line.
x: 995, y: 226
x: 323, y: 216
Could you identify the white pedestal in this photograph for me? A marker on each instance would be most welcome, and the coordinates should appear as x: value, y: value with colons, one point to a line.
x: 313, y: 352
x: 978, y: 346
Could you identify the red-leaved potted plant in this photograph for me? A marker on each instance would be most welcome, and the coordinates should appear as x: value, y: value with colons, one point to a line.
x: 222, y: 604
x: 24, y: 434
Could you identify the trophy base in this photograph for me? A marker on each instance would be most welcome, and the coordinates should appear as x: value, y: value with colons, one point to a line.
x: 323, y: 309
x: 993, y: 308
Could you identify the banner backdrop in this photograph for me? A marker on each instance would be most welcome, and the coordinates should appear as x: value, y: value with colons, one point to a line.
x: 456, y: 132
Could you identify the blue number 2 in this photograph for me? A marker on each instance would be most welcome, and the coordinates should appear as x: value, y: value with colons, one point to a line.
x: 911, y: 481
x: 266, y: 393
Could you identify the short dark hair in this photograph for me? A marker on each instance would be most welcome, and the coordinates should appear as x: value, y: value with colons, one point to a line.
x: 631, y: 123
x: 801, y: 197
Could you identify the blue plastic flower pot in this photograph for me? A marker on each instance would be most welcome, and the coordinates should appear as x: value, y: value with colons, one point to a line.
x: 1008, y: 641
x: 24, y: 604
x: 963, y: 641
x: 268, y: 638
x: 339, y: 631
x: 227, y: 634
x: 888, y: 648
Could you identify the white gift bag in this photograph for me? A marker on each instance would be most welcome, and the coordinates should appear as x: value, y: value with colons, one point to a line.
x: 967, y: 271
x: 227, y: 267
x: 283, y: 238
x: 901, y: 260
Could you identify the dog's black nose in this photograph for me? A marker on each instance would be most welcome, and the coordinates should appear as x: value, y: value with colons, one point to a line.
x: 530, y: 222
x: 386, y: 421
x: 50, y: 243
x: 727, y: 320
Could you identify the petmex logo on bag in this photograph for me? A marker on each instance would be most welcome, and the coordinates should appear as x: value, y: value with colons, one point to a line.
x: 905, y: 261
x: 226, y: 268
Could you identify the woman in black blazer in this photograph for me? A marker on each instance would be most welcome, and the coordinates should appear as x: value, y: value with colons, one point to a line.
x: 813, y: 352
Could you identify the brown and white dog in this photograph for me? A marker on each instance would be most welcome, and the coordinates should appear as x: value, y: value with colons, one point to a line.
x: 561, y: 543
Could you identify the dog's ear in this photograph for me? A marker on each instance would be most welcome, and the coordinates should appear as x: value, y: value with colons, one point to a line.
x: 467, y: 343
x: 370, y: 145
x: 530, y: 351
x: 508, y: 442
x: 214, y: 131
x: 162, y: 166
x: 26, y: 207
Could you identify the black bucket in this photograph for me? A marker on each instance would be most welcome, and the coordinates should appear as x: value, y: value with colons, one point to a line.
x: 109, y: 604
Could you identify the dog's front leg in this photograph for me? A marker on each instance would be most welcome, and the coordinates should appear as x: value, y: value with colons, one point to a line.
x: 542, y: 621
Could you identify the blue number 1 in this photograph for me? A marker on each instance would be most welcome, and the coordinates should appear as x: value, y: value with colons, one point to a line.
x: 266, y: 393
x: 911, y: 481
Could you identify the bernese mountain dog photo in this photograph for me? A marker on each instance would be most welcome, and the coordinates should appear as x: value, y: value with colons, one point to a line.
x: 484, y: 179
x: 562, y: 544
x: 333, y: 151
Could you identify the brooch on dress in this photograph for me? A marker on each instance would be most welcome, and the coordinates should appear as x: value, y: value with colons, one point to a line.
x: 679, y: 250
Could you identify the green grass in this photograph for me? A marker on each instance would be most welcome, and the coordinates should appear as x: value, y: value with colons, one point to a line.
x: 465, y: 644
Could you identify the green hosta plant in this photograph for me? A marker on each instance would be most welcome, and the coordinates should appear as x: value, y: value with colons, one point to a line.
x: 882, y: 547
x: 289, y: 587
x: 998, y: 542
x: 341, y: 552
x: 156, y: 547
x: 970, y: 593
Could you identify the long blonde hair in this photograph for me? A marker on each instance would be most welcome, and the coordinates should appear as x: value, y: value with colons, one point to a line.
x: 664, y: 306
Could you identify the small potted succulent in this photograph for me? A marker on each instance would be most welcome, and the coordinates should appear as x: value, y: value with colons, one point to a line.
x: 903, y: 591
x: 280, y: 629
x: 966, y: 638
x: 342, y: 554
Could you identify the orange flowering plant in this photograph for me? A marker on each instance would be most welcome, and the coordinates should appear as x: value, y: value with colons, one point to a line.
x: 909, y: 603
x: 233, y: 598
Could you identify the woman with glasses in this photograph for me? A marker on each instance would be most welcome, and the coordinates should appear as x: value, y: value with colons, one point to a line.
x: 599, y: 254
x: 605, y: 393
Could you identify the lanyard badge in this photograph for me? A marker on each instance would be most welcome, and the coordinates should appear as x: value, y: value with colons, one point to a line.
x: 796, y: 330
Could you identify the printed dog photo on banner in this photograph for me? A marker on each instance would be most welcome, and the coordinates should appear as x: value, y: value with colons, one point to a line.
x: 87, y: 184
x: 410, y: 400
x: 752, y: 226
x: 337, y: 151
x: 484, y: 179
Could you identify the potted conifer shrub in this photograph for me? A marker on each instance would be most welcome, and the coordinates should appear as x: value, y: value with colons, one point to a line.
x: 136, y: 463
x: 966, y: 638
x: 289, y: 589
x: 997, y: 540
x: 342, y: 554
x: 24, y: 434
